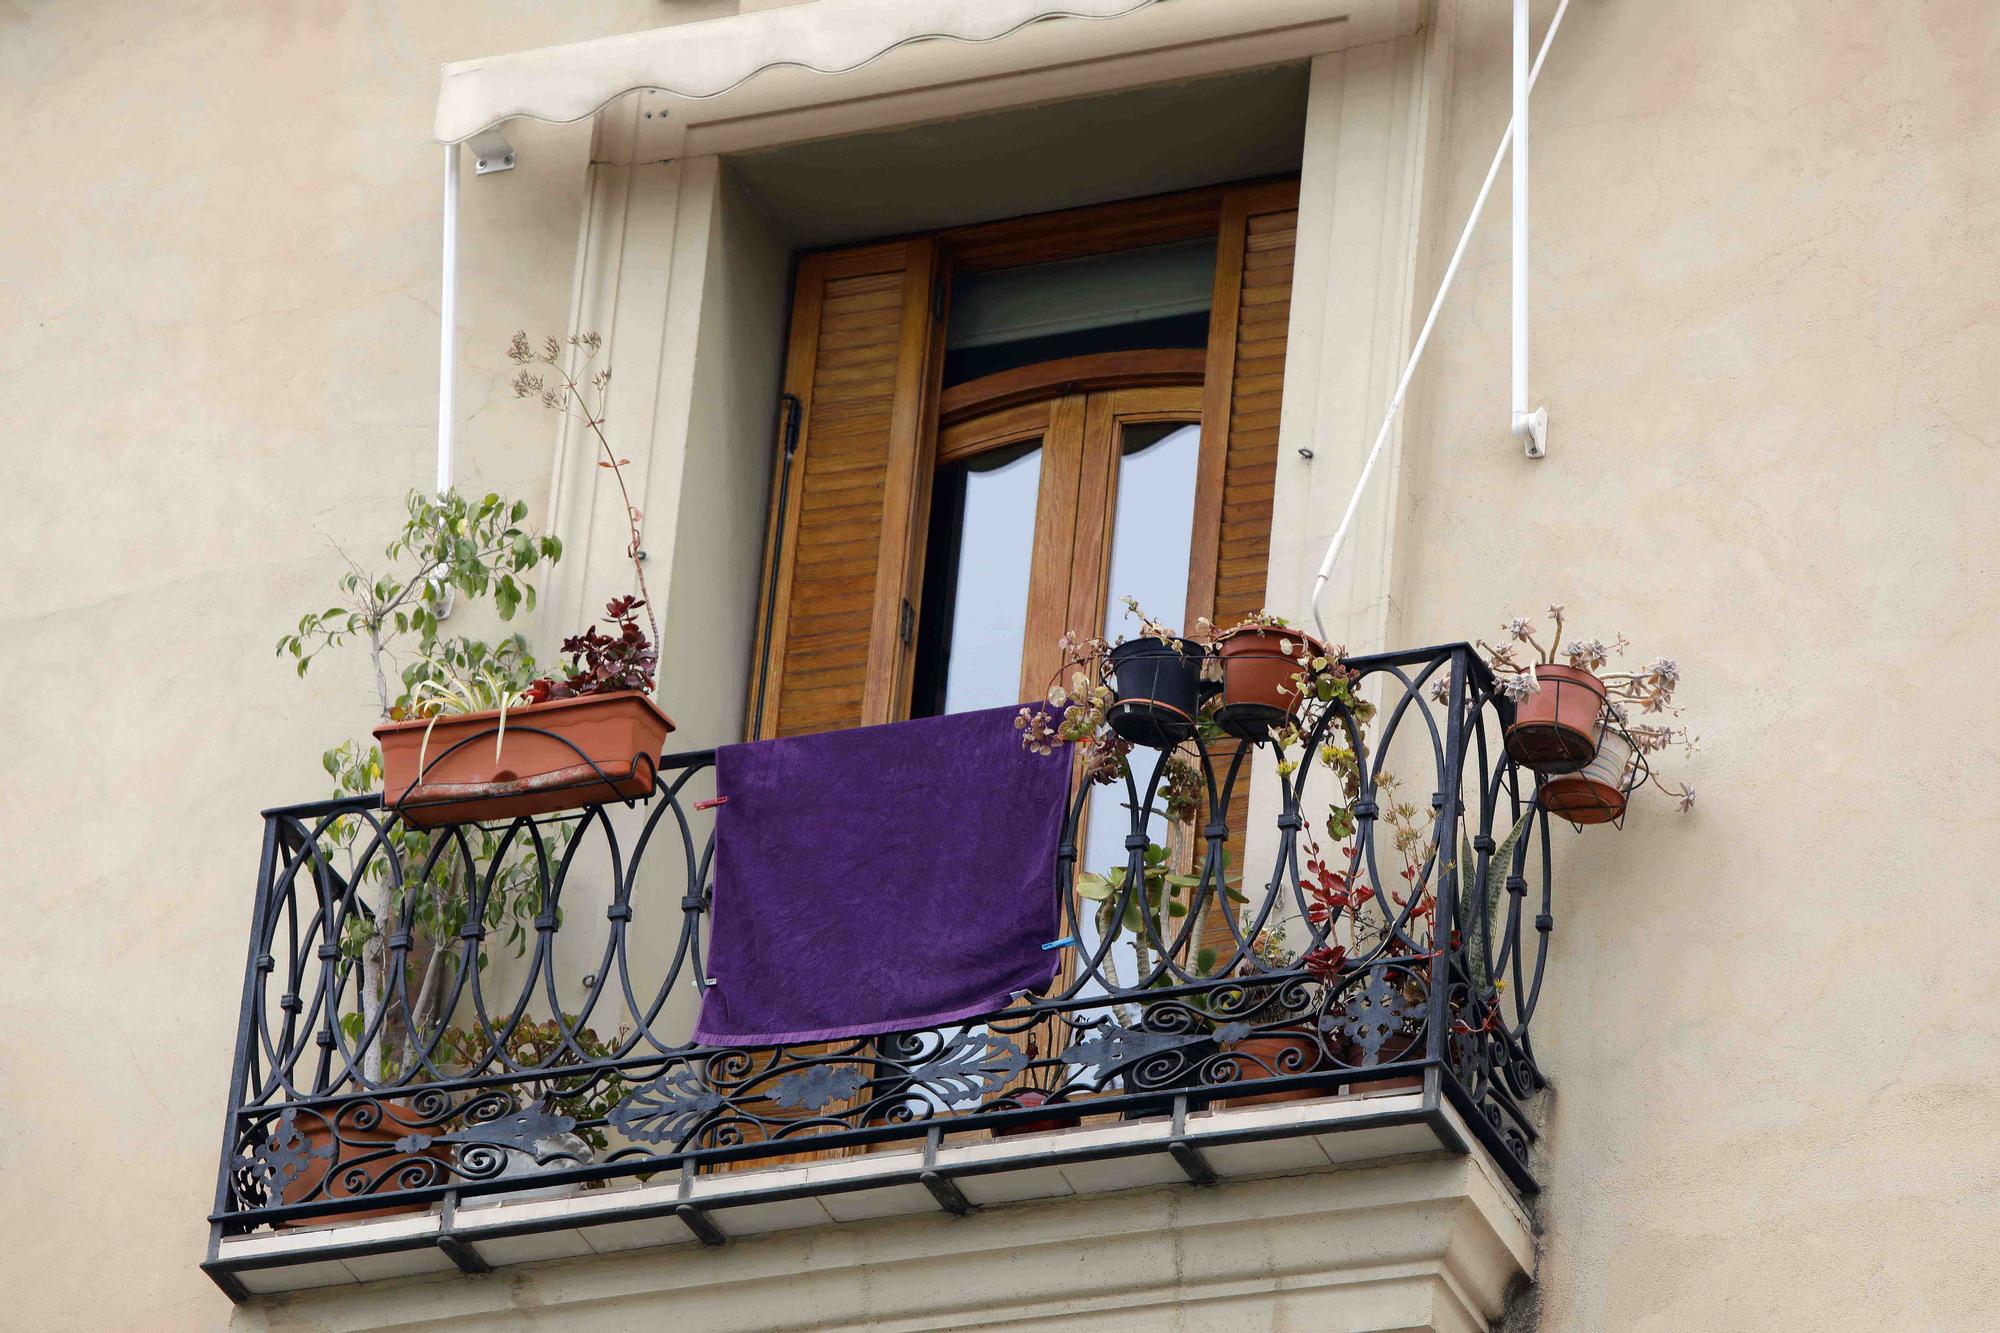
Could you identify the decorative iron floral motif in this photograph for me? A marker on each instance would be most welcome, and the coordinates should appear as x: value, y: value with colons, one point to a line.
x: 667, y: 1110
x: 523, y: 1130
x: 971, y: 1064
x: 1372, y: 1013
x: 280, y: 1157
x: 1231, y: 1033
x: 816, y: 1087
x: 1113, y: 1048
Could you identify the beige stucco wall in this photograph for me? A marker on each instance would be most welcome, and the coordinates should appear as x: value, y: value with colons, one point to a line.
x: 1766, y: 320
x: 219, y: 260
x: 1766, y: 316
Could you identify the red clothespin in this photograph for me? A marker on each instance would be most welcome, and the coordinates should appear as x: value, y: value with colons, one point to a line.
x: 711, y: 803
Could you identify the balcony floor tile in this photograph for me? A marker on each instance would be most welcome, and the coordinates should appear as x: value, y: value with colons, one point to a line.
x: 614, y: 1236
x: 295, y: 1277
x: 499, y: 1251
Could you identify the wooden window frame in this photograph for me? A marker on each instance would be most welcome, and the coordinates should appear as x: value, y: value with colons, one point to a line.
x: 1077, y: 409
x: 925, y: 411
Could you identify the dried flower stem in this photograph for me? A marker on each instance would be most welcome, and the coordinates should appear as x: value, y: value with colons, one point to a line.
x: 633, y: 551
x: 527, y: 385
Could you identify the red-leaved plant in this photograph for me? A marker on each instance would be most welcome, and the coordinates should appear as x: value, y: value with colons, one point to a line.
x: 601, y: 663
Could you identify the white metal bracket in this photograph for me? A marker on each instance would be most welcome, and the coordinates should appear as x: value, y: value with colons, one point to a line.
x: 1533, y: 428
x: 491, y: 152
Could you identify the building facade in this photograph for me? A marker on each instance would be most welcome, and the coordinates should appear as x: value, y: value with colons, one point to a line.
x: 862, y: 266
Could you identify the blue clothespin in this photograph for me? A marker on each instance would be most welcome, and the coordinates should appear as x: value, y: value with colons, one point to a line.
x: 1057, y: 944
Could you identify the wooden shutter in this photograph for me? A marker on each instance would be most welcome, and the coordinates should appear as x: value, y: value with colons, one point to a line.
x: 867, y: 332
x: 1239, y: 424
x: 864, y: 346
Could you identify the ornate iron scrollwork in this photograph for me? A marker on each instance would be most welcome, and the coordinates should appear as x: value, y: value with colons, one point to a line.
x: 1373, y: 1013
x: 280, y: 1156
x: 970, y: 1064
x: 1191, y: 1000
x: 667, y: 1110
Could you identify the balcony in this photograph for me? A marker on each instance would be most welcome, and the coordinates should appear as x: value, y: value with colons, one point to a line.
x: 523, y: 1084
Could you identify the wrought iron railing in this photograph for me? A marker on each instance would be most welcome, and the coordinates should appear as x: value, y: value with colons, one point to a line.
x: 480, y: 1009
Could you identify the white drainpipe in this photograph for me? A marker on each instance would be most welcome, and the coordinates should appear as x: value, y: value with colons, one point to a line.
x: 1531, y: 427
x: 448, y: 320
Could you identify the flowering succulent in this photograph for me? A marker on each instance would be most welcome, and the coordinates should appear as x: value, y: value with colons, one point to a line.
x: 1650, y: 689
x: 1205, y: 628
x: 1085, y: 702
x: 1270, y: 949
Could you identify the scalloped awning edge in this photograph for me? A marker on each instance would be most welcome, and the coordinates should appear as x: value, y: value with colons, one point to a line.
x: 703, y: 61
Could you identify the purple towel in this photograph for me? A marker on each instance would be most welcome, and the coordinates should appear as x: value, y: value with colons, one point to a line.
x: 888, y: 878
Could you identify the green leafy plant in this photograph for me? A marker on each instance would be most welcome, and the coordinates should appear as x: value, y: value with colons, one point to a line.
x: 474, y: 689
x: 449, y: 545
x: 1147, y: 911
x: 540, y: 1046
x: 1480, y: 940
x: 1158, y: 899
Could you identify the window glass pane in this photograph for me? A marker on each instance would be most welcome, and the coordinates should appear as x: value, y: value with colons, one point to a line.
x: 1151, y: 298
x: 1152, y: 534
x: 1151, y: 543
x: 976, y: 573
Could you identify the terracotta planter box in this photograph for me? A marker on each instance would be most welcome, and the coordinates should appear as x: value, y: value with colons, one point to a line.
x: 1275, y: 1056
x: 1556, y: 728
x: 1257, y: 674
x: 1399, y: 1047
x: 554, y: 756
x: 324, y: 1178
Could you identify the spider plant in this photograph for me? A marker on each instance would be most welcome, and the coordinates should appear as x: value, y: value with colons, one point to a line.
x: 444, y: 691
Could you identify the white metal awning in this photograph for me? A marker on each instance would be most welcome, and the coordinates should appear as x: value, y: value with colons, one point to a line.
x: 779, y: 59
x: 703, y: 61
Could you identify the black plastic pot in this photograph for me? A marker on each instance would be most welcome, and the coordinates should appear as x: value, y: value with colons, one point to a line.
x: 1158, y: 687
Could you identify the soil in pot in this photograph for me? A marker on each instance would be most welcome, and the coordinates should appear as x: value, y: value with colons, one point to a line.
x: 1556, y: 728
x: 554, y: 756
x: 330, y: 1161
x: 1274, y: 1056
x: 1597, y: 793
x: 1257, y: 690
x: 1158, y: 687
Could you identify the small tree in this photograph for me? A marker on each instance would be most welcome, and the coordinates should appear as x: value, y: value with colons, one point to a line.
x: 449, y: 545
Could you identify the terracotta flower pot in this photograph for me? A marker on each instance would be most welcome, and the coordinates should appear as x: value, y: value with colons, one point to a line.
x: 1400, y: 1046
x: 1257, y: 692
x: 1556, y: 728
x: 1274, y: 1056
x: 554, y: 756
x: 330, y: 1158
x: 1027, y: 1099
x: 1158, y: 688
x: 1597, y: 793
